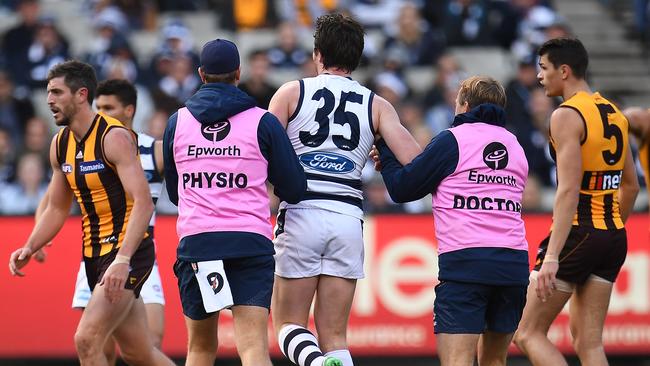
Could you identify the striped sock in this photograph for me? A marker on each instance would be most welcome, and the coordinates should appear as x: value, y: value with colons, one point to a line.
x: 343, y: 355
x: 300, y: 346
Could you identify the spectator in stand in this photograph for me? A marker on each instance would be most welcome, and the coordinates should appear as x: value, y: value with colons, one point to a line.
x: 466, y: 23
x: 256, y: 84
x: 305, y: 12
x: 535, y: 18
x: 17, y: 40
x: 287, y: 53
x: 376, y: 198
x: 245, y: 15
x: 47, y: 49
x: 391, y: 87
x: 119, y: 62
x: 376, y: 14
x: 181, y: 82
x: 440, y: 116
x: 176, y: 42
x: 415, y: 40
x: 37, y: 141
x: 535, y: 143
x: 23, y: 196
x: 108, y: 24
x: 448, y: 72
x: 7, y: 157
x: 518, y: 93
x: 13, y: 111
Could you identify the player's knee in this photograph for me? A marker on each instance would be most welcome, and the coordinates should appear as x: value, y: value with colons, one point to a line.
x: 85, y: 344
x: 586, y: 345
x: 520, y: 339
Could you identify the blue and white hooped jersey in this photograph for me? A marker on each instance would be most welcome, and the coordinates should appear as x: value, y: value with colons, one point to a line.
x: 148, y: 161
x: 332, y: 134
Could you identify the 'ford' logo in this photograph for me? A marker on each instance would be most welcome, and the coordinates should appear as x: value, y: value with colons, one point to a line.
x: 327, y: 162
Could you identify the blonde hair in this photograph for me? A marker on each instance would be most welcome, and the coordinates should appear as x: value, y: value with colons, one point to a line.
x: 477, y: 90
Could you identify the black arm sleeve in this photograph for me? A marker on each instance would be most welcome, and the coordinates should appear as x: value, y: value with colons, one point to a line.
x: 423, y: 175
x: 171, y: 175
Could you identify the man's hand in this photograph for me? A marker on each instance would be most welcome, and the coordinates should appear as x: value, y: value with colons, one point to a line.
x: 115, y: 277
x: 546, y: 280
x: 19, y: 259
x: 374, y: 155
x: 40, y: 255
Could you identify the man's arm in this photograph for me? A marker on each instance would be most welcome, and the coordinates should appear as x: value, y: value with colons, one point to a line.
x: 639, y: 119
x: 423, y: 175
x: 398, y: 139
x: 51, y: 220
x: 121, y: 150
x: 284, y: 170
x: 285, y: 100
x: 171, y: 174
x: 566, y: 130
x: 629, y: 186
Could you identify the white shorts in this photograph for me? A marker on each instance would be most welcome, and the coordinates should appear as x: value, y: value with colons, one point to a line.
x: 312, y: 242
x: 152, y: 292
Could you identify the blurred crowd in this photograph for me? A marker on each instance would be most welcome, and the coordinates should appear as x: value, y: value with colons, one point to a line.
x: 406, y: 34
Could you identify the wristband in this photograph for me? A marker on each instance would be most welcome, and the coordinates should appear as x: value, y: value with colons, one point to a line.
x: 551, y: 260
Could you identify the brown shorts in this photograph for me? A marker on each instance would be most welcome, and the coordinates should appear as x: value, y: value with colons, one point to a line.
x: 589, y: 251
x: 140, y: 267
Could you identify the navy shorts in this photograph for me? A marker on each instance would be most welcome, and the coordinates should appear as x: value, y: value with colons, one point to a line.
x: 471, y: 308
x: 250, y: 279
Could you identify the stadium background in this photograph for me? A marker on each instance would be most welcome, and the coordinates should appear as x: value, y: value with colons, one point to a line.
x: 416, y: 53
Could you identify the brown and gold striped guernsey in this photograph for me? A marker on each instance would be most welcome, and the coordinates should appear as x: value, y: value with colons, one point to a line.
x: 603, y: 154
x: 104, y: 204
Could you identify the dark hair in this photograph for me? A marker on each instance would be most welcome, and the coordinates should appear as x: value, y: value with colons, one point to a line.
x: 227, y: 78
x: 339, y: 40
x: 123, y: 90
x: 566, y: 51
x: 76, y: 75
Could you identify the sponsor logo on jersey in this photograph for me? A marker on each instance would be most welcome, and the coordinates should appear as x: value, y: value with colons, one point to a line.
x: 601, y: 181
x: 94, y: 166
x: 327, y: 162
x: 486, y: 203
x: 108, y: 239
x: 495, y: 156
x: 80, y: 155
x: 216, y: 131
x: 214, y: 179
x: 480, y: 178
x: 196, y: 151
x: 66, y: 168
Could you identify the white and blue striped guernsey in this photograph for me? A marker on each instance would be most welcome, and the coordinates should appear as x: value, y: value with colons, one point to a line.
x: 148, y: 161
x: 332, y: 133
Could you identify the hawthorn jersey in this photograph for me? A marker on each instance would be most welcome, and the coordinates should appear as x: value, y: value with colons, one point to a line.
x: 104, y: 204
x: 603, y: 156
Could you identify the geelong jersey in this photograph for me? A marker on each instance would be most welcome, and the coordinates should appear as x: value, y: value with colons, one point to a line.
x: 105, y: 206
x: 603, y: 157
x: 332, y: 134
x: 148, y: 161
